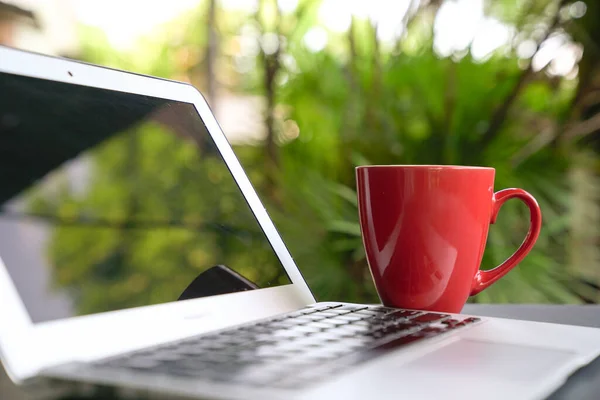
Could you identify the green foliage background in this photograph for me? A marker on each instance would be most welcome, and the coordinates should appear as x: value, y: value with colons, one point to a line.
x: 361, y: 101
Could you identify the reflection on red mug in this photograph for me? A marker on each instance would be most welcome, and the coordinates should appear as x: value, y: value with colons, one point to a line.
x: 424, y: 229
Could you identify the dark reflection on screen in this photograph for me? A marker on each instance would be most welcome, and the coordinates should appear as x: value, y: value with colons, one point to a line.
x: 111, y: 200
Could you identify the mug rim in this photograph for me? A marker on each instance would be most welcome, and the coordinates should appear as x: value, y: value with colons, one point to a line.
x: 426, y: 166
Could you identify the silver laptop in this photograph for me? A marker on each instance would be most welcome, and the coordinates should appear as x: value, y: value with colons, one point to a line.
x: 134, y: 252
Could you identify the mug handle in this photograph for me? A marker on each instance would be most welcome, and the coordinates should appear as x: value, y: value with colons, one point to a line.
x: 483, y: 279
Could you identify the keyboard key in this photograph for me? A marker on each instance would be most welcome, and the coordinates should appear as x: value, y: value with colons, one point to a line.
x: 401, y: 326
x: 260, y: 375
x: 308, y: 318
x: 306, y: 329
x: 451, y: 321
x: 429, y: 317
x: 319, y: 325
x: 362, y: 322
x: 288, y: 322
x: 399, y: 342
x: 313, y: 341
x: 139, y: 363
x: 335, y: 321
x: 182, y: 372
x: 275, y: 326
x: 383, y: 310
x: 255, y: 330
x: 328, y: 335
x: 268, y: 341
x: 391, y: 331
x: 431, y: 329
x: 164, y: 355
x: 352, y: 308
x: 323, y: 354
x: 355, y: 328
x: 268, y: 352
x: 315, y: 309
x: 465, y: 322
x: 330, y: 313
x: 369, y: 313
x: 405, y: 313
x: 355, y: 343
x: 351, y: 317
x: 377, y: 334
x: 288, y: 333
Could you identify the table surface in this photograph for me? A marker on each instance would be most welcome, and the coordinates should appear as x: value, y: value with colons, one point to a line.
x: 585, y: 384
x: 588, y: 315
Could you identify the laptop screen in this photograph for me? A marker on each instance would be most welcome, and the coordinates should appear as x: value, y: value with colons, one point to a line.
x: 112, y: 200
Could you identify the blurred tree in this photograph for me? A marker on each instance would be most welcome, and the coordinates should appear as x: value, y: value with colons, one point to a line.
x: 361, y: 100
x: 413, y: 107
x: 211, y: 52
x: 580, y: 133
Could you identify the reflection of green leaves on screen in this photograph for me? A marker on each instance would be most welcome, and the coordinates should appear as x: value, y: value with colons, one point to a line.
x: 155, y: 214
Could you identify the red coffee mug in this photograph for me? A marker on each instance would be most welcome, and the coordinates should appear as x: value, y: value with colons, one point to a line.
x: 424, y: 229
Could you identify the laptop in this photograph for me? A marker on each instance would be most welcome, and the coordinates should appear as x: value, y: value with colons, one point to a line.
x: 135, y: 253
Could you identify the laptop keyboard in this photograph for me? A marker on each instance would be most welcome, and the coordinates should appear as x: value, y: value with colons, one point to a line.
x: 291, y: 350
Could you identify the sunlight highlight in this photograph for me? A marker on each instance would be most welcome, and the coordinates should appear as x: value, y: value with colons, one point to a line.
x: 459, y: 26
x: 336, y: 15
x: 124, y: 22
x: 316, y: 39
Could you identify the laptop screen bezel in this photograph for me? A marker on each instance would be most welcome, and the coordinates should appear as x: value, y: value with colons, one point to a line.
x: 28, y: 348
